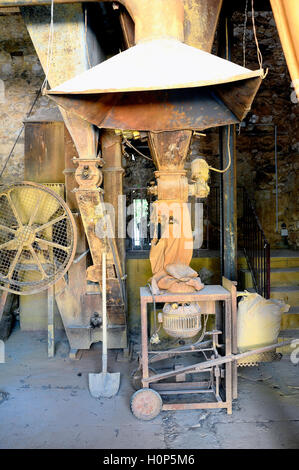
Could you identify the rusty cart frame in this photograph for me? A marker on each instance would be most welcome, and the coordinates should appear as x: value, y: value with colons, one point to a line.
x: 207, y: 298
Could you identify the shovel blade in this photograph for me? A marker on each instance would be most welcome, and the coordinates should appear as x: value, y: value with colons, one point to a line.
x: 104, y: 385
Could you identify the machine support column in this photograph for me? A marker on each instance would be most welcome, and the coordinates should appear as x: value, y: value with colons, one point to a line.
x: 227, y: 151
x: 229, y: 203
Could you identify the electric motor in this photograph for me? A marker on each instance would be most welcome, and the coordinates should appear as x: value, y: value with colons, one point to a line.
x: 182, y: 320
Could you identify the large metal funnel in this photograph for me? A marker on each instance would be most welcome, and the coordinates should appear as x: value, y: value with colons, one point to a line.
x: 161, y: 85
x: 169, y: 149
x: 162, y: 64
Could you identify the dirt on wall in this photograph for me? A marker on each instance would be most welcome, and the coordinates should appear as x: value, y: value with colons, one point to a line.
x: 21, y: 77
x: 274, y: 105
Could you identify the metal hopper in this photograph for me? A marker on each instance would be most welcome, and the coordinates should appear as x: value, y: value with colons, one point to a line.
x: 161, y: 83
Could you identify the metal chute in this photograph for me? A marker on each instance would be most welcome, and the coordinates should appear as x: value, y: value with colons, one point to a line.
x: 162, y: 64
x: 161, y: 85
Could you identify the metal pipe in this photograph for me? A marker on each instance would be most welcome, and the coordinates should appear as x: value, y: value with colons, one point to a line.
x: 214, y: 362
x: 268, y: 264
x: 221, y: 224
x: 166, y: 21
x: 228, y: 247
x: 276, y: 178
x: 76, y: 260
x: 104, y: 314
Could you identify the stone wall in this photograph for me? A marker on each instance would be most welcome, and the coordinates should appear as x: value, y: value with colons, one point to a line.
x: 21, y: 77
x: 274, y: 105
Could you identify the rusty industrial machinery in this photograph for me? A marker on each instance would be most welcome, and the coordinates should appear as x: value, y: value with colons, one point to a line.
x: 167, y: 85
x: 169, y: 106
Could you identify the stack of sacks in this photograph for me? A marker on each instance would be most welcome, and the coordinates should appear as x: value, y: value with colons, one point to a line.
x: 178, y: 278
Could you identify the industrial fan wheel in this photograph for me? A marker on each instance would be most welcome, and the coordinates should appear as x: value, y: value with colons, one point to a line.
x: 37, y: 238
x: 146, y: 404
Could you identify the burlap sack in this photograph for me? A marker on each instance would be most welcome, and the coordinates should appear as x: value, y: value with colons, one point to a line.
x: 180, y: 271
x: 180, y: 288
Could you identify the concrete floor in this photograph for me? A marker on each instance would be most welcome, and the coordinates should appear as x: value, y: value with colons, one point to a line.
x: 45, y: 403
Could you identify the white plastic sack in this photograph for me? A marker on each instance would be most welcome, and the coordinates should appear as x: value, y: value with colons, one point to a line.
x: 258, y: 321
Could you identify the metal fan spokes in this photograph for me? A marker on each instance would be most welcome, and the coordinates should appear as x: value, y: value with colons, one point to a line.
x: 14, y: 210
x: 48, y: 243
x: 50, y: 223
x: 7, y: 229
x: 37, y: 237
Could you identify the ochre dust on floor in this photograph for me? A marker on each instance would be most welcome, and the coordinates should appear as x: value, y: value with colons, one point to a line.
x: 45, y: 403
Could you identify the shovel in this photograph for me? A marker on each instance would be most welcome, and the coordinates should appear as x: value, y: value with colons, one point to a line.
x: 104, y: 384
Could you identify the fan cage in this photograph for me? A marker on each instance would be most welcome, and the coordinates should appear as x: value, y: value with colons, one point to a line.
x: 37, y: 238
x: 182, y: 321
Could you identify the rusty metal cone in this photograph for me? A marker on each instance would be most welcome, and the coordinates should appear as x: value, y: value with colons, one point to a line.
x: 161, y: 85
x: 160, y: 64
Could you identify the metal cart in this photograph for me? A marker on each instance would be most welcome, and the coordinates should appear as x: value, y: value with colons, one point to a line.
x: 221, y: 385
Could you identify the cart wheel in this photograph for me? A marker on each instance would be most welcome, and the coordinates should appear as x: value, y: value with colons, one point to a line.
x: 136, y: 377
x: 146, y: 404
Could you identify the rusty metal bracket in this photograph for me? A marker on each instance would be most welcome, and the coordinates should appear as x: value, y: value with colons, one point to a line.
x: 92, y: 208
x: 88, y: 174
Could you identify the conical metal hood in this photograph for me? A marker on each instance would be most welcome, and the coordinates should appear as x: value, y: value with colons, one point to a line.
x: 161, y: 64
x: 181, y: 86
